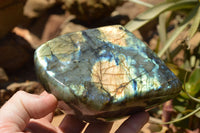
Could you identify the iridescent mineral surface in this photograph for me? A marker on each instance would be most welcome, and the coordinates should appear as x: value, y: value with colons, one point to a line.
x: 104, y: 73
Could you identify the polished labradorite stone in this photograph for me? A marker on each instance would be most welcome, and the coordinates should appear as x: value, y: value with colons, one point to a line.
x: 104, y: 73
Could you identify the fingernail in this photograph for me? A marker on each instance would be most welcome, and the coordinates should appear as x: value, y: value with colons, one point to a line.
x: 44, y: 93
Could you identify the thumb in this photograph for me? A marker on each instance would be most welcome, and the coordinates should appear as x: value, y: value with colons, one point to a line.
x: 16, y: 113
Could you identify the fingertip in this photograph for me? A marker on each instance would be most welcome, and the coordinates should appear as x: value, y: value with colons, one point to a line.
x: 45, y: 104
x: 49, y: 99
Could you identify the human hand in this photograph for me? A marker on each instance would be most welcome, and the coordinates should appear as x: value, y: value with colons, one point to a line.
x: 26, y: 112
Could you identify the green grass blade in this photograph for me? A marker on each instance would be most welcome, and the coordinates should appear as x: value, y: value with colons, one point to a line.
x: 162, y: 27
x: 195, y: 24
x: 148, y: 15
x: 177, y: 31
x: 172, y: 38
x: 142, y: 3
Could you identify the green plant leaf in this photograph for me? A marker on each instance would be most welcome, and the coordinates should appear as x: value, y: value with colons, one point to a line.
x: 162, y: 27
x: 177, y: 31
x: 142, y: 3
x: 195, y: 76
x: 150, y: 14
x: 195, y: 23
x: 192, y: 87
x: 198, y: 114
x: 194, y: 83
x: 179, y: 108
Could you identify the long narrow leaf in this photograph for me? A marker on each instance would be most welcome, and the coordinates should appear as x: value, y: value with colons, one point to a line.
x: 162, y: 27
x: 150, y: 14
x: 172, y: 38
x: 142, y: 3
x: 178, y: 30
x: 195, y: 23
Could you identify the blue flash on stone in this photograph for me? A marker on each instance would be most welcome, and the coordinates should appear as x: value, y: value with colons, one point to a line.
x: 104, y: 73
